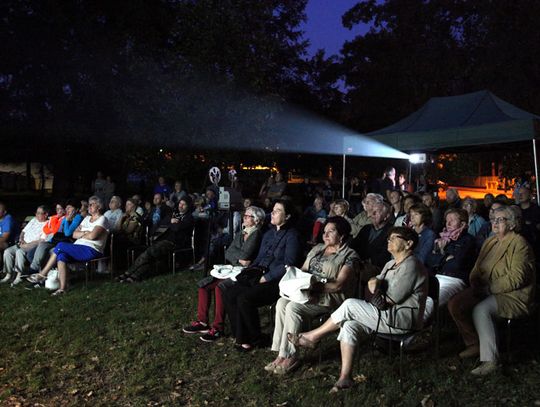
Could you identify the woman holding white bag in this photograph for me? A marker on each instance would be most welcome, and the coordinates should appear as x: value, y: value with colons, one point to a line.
x: 335, y: 267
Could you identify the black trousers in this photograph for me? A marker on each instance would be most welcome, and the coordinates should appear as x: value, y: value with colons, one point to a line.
x: 242, y: 303
x: 143, y: 265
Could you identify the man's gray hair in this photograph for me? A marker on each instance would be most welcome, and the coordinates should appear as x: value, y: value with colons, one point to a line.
x: 373, y: 198
x: 117, y: 199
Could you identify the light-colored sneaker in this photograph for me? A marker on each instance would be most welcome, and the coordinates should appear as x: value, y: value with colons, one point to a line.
x: 17, y: 280
x: 485, y: 368
x: 6, y: 279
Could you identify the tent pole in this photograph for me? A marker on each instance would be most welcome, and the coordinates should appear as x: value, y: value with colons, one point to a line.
x: 536, y: 171
x: 343, y: 179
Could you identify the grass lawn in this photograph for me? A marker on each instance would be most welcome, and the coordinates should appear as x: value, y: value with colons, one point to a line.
x: 112, y: 344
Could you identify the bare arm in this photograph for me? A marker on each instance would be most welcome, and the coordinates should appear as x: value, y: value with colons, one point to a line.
x: 344, y: 276
x: 95, y: 234
x: 373, y: 284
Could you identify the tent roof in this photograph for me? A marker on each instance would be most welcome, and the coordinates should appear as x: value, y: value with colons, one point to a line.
x: 470, y: 119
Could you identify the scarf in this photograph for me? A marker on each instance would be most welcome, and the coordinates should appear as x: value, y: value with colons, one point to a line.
x: 249, y: 230
x: 450, y: 235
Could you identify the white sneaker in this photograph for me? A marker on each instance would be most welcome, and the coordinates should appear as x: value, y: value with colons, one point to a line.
x: 485, y: 368
x: 6, y: 278
x: 17, y: 280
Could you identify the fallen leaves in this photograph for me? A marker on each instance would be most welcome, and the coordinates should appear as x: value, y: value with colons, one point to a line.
x: 427, y: 401
x: 360, y: 378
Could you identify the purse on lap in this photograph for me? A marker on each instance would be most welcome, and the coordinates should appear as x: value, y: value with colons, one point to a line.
x: 296, y: 284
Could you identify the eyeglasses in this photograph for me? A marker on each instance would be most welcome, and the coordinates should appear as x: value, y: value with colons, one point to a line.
x: 498, y: 220
x: 394, y: 237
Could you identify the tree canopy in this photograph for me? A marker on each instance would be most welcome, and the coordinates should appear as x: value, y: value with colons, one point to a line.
x: 148, y: 70
x: 418, y: 49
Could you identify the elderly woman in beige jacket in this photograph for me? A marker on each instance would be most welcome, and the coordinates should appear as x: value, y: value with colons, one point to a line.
x: 502, y: 285
x: 335, y: 266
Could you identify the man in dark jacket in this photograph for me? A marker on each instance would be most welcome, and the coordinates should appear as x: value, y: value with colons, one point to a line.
x: 170, y: 232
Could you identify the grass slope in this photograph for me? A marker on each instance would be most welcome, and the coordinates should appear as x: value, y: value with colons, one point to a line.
x: 112, y: 344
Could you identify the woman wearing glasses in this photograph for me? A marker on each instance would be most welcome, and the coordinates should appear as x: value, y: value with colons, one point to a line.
x: 501, y: 285
x: 241, y: 252
x: 404, y: 283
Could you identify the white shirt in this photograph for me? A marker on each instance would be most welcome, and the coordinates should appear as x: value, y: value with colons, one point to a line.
x: 34, y: 230
x: 113, y: 217
x: 87, y: 226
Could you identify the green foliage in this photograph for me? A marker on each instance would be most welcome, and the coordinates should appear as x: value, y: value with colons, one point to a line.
x: 139, y: 71
x: 420, y: 49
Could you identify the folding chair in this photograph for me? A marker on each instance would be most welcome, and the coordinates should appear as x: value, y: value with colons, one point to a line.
x: 431, y: 323
x: 90, y: 265
x: 176, y: 251
x: 512, y: 322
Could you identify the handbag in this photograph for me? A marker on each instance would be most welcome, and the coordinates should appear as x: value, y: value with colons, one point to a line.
x: 52, y: 282
x: 295, y: 285
x: 379, y: 300
x: 250, y: 276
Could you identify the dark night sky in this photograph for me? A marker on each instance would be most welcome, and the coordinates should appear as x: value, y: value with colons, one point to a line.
x: 323, y: 27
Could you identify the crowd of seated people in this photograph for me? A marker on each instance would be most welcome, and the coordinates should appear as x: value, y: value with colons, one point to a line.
x: 90, y: 240
x: 366, y: 265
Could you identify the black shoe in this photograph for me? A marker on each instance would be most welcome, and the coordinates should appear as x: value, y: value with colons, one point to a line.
x: 196, y: 327
x: 212, y: 335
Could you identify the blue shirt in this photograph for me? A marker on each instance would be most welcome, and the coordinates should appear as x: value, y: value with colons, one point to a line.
x: 426, y: 238
x: 475, y: 224
x: 68, y: 227
x: 156, y: 215
x: 6, y: 224
x: 164, y: 190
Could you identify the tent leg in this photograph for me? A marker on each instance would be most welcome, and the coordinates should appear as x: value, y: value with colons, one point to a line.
x: 343, y: 179
x: 536, y: 172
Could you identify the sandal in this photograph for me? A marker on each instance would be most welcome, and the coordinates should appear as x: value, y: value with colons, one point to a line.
x: 272, y: 365
x: 284, y: 370
x: 341, y: 385
x: 299, y: 340
x: 58, y: 292
x: 36, y: 278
